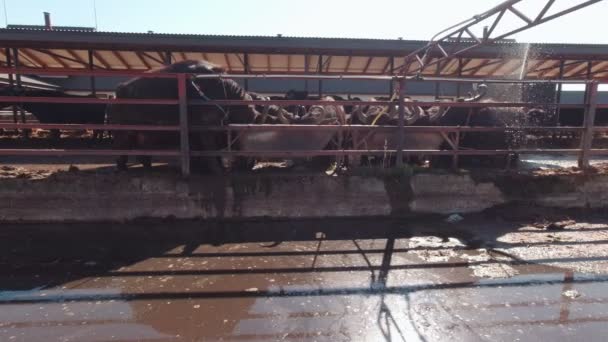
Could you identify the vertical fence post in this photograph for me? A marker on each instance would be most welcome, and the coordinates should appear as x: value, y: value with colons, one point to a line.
x: 456, y: 149
x: 558, y: 95
x: 246, y: 69
x: 11, y: 81
x: 26, y: 132
x: 400, y: 132
x: 91, y: 67
x: 587, y: 137
x: 184, y: 131
x: 320, y: 72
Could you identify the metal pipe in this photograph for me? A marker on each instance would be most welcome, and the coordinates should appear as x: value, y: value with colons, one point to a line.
x: 272, y: 128
x: 174, y: 153
x: 40, y: 99
x: 400, y: 132
x: 19, y: 85
x: 558, y: 98
x: 320, y: 72
x: 587, y: 139
x: 78, y: 72
x: 11, y: 80
x: 47, y: 21
x: 183, y: 125
x: 246, y: 69
x: 26, y: 99
x: 80, y: 127
x: 91, y: 67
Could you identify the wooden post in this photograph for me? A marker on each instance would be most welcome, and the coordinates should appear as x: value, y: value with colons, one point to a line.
x: 168, y: 58
x: 183, y: 125
x: 91, y: 67
x: 400, y: 132
x: 587, y: 137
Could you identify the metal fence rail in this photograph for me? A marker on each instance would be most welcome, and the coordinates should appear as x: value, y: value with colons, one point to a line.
x: 184, y: 129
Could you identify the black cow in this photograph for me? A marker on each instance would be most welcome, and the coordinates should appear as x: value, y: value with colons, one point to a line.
x: 61, y: 113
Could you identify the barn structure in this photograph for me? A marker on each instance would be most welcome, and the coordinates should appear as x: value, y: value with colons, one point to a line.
x: 43, y: 48
x: 84, y: 60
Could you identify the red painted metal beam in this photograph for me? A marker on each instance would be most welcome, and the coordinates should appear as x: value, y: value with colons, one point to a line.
x: 80, y: 127
x: 480, y: 66
x: 101, y: 60
x: 121, y: 59
x: 81, y: 72
x: 387, y: 65
x: 77, y: 58
x: 89, y: 152
x: 228, y: 64
x: 33, y: 99
x: 33, y: 57
x: 367, y: 64
x: 546, y: 70
x: 573, y: 67
x: 498, y: 66
x: 348, y: 61
x: 56, y: 58
x: 142, y: 58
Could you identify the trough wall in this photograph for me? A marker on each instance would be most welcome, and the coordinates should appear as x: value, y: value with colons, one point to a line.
x: 74, y: 196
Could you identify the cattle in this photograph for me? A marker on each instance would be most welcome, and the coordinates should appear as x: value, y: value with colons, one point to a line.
x: 61, y: 113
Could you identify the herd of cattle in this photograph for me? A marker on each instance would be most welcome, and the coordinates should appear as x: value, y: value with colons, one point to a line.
x: 205, y: 89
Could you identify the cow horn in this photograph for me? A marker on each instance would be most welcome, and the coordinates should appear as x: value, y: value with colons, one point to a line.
x: 414, y: 115
x: 282, y: 117
x: 482, y: 90
x: 360, y: 115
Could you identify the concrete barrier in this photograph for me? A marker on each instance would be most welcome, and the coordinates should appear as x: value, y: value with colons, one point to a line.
x: 81, y: 196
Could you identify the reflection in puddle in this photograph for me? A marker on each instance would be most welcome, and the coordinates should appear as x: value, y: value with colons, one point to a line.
x: 421, y: 288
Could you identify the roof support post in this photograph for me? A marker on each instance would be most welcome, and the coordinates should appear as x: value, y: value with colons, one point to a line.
x: 459, y: 85
x: 11, y: 81
x: 306, y: 69
x: 18, y: 78
x: 184, y: 131
x: 438, y: 73
x: 91, y: 67
x: 391, y: 86
x: 246, y: 67
x: 587, y: 138
x: 400, y: 132
x: 558, y: 95
x: 168, y: 58
x: 320, y: 72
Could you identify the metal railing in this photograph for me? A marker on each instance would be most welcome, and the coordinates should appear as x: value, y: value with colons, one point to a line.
x: 184, y: 128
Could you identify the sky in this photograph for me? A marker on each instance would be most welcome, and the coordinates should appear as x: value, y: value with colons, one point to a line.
x: 385, y: 19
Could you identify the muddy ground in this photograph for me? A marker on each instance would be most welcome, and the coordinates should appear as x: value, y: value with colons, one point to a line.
x: 505, y: 275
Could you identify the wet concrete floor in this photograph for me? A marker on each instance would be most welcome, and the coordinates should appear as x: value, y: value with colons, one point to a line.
x: 487, y: 278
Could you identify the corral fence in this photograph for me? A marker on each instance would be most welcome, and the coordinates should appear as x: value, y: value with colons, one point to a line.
x: 234, y: 132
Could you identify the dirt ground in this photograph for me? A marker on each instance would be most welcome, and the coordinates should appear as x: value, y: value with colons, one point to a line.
x: 505, y: 275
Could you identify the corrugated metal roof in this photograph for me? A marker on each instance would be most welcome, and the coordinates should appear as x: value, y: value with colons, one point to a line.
x: 39, y: 48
